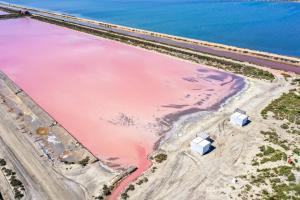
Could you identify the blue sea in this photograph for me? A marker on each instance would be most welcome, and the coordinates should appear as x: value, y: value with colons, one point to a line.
x: 267, y: 26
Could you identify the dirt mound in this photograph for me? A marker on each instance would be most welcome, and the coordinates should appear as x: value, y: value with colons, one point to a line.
x: 42, y: 131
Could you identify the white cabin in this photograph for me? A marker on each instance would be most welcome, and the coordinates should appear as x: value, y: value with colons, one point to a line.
x: 239, y: 119
x: 200, y: 145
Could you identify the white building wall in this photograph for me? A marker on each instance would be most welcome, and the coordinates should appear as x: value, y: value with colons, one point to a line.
x: 200, y: 146
x: 239, y: 119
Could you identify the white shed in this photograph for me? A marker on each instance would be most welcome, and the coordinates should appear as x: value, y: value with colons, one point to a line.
x: 200, y: 145
x: 239, y: 119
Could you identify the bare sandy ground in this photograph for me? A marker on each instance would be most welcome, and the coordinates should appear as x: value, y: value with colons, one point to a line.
x: 186, y: 175
x: 42, y: 177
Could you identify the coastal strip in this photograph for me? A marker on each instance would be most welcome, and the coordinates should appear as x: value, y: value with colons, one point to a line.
x: 263, y: 59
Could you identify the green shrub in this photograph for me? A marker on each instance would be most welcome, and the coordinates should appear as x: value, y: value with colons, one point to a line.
x: 248, y: 187
x: 18, y: 194
x: 2, y: 162
x: 265, y: 192
x: 99, y: 197
x: 124, y: 195
x: 159, y: 158
x: 131, y: 187
x: 285, y: 107
x: 284, y: 126
x: 267, y: 150
x: 84, y: 161
x: 106, y: 190
x: 291, y: 177
x: 283, y: 170
x: 296, y: 188
x: 297, y: 151
x: 15, y: 182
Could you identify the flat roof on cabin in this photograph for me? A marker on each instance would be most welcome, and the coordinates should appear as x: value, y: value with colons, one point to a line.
x: 239, y: 115
x: 200, y: 141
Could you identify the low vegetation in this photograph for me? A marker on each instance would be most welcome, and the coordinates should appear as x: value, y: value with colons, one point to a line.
x: 271, y: 182
x: 2, y: 162
x: 286, y: 107
x: 161, y: 157
x: 269, y: 154
x: 84, y: 161
x: 15, y: 183
x: 142, y: 180
x: 271, y: 136
x: 273, y: 175
x: 124, y: 194
x: 106, y: 191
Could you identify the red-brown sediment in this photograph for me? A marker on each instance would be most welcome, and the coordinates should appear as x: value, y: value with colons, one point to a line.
x: 115, y: 99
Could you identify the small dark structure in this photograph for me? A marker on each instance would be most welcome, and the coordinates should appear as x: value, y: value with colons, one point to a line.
x: 24, y: 12
x: 240, y: 111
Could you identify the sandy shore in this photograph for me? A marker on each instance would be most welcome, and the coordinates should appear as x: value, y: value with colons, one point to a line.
x: 246, y: 55
x: 34, y: 159
x: 186, y: 175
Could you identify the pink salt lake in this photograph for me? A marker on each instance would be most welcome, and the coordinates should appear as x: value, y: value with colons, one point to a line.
x: 115, y: 99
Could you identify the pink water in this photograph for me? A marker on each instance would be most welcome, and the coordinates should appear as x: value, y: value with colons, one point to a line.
x: 112, y: 97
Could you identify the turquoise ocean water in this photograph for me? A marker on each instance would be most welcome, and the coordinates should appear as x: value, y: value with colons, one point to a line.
x: 260, y: 25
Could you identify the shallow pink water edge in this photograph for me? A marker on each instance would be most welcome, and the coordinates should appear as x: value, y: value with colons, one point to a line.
x: 117, y: 100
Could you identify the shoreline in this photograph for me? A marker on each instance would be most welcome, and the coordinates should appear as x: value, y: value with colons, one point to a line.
x: 197, y: 46
x: 285, y: 58
x: 184, y: 119
x: 214, y: 108
x: 179, y: 121
x: 199, y: 169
